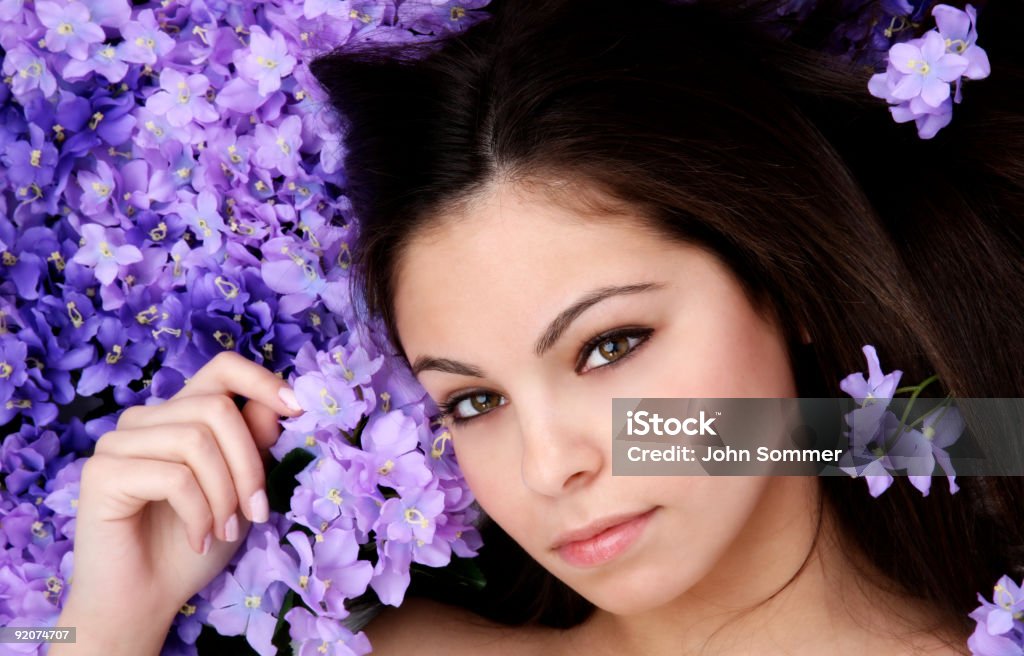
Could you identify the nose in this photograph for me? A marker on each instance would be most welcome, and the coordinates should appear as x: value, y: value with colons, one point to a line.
x: 564, y: 445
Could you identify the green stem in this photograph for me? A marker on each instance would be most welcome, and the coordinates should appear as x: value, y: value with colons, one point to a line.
x: 906, y: 411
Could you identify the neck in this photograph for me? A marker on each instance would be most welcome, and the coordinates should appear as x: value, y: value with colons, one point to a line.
x: 798, y: 594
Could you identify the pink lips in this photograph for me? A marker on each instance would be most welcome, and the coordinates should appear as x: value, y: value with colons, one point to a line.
x: 603, y: 541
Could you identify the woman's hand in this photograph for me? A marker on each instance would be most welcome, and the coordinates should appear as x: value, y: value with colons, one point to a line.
x: 165, y: 502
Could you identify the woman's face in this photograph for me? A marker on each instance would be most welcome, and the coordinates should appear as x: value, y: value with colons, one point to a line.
x: 473, y: 303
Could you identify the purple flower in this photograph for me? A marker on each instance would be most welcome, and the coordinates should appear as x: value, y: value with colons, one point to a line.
x: 190, y: 619
x: 336, y: 564
x: 870, y: 428
x: 327, y: 402
x: 1000, y: 629
x: 97, y: 189
x: 327, y: 491
x: 297, y: 576
x: 246, y: 601
x: 28, y: 72
x: 267, y: 61
x: 32, y: 162
x: 958, y: 28
x: 925, y: 69
x: 121, y: 361
x: 201, y: 212
x: 279, y: 147
x: 439, y: 16
x: 182, y: 99
x: 70, y: 27
x: 391, y: 440
x: 105, y: 60
x: 13, y: 369
x: 103, y: 252
x: 412, y: 517
x: 878, y: 386
x: 24, y: 456
x: 922, y: 449
x: 144, y: 41
x: 321, y: 636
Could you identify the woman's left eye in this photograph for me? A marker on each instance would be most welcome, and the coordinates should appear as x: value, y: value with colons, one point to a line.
x: 611, y: 348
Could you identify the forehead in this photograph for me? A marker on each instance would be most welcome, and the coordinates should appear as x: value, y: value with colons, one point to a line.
x: 510, y: 262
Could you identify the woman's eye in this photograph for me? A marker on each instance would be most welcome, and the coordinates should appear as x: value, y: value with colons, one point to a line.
x: 611, y: 349
x: 469, y: 406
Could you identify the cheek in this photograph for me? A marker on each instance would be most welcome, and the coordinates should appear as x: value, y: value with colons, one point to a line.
x: 491, y: 475
x: 703, y: 528
x: 718, y: 505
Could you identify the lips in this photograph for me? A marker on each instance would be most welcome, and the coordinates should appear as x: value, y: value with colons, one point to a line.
x: 596, y: 528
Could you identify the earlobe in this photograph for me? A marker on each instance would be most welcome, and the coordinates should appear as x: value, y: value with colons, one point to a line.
x: 805, y: 337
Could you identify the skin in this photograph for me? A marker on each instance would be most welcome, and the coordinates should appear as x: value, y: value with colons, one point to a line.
x: 536, y: 451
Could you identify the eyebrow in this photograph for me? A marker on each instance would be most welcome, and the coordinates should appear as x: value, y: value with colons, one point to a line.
x: 550, y: 335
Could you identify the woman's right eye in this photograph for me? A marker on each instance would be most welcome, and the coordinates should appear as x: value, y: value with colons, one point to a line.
x: 464, y: 408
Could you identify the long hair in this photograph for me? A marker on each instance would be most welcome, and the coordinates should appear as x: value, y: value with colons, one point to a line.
x: 710, y: 130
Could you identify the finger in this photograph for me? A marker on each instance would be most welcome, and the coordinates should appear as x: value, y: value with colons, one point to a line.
x: 264, y: 424
x: 229, y: 372
x: 191, y: 444
x: 236, y: 442
x: 134, y: 482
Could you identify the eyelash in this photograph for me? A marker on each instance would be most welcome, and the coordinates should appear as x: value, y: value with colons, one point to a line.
x: 447, y: 408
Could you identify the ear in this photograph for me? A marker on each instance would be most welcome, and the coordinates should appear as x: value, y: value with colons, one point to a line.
x: 805, y: 336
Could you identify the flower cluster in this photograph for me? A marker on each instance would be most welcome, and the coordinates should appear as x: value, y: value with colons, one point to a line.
x: 1000, y: 622
x: 917, y: 82
x: 172, y: 187
x: 882, y: 443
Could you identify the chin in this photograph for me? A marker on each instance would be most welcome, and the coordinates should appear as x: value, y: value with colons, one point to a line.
x: 631, y: 591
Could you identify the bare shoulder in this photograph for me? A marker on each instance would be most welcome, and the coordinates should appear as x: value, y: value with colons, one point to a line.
x: 422, y: 627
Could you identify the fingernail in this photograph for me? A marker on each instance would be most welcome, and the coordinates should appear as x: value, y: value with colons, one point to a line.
x: 207, y: 541
x: 258, y: 506
x: 231, y: 528
x: 287, y: 395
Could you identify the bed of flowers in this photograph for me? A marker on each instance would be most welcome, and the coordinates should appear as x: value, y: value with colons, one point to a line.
x: 171, y: 187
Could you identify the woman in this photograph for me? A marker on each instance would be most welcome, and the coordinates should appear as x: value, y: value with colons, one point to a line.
x: 590, y: 201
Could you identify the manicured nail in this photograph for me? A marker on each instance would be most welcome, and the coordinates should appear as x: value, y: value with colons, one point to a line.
x: 287, y: 395
x: 258, y: 506
x: 207, y: 541
x: 231, y: 528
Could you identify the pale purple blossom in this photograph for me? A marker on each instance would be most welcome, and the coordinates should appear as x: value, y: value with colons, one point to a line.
x: 28, y: 72
x: 70, y: 27
x: 97, y: 189
x: 103, y: 250
x: 321, y: 636
x: 267, y: 61
x: 144, y: 41
x: 877, y: 387
x: 182, y: 99
x: 105, y: 60
x: 1000, y: 622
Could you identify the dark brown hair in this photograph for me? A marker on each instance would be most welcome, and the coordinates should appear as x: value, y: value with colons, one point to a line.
x: 774, y: 156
